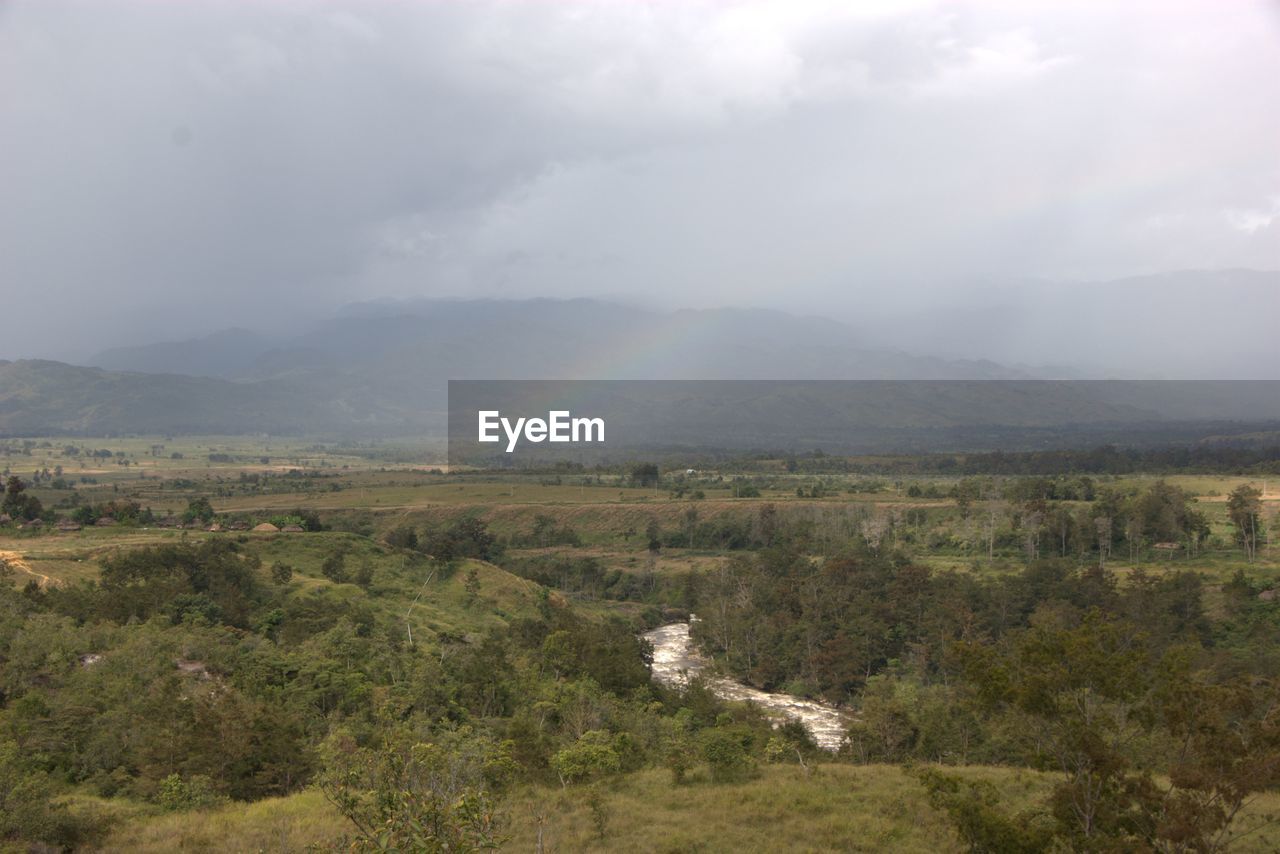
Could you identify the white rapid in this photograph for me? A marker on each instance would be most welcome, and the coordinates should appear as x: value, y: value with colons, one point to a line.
x: 675, y: 660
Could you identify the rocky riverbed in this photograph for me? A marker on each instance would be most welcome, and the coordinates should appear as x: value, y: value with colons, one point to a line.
x: 675, y: 659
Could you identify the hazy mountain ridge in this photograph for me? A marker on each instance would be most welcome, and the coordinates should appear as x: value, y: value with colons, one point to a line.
x: 1186, y: 324
x: 561, y: 339
x: 385, y: 368
x: 41, y: 397
x: 220, y: 354
x: 382, y: 368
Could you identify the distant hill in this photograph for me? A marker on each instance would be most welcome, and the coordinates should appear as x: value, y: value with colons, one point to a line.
x: 1188, y: 324
x: 222, y: 354
x: 437, y: 340
x: 382, y: 369
x: 40, y: 397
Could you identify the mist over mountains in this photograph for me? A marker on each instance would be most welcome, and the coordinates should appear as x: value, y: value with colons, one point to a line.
x: 1215, y: 324
x: 1190, y: 324
x: 423, y: 342
x: 381, y: 369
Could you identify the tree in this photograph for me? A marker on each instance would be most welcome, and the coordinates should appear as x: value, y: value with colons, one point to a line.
x: 414, y: 796
x: 543, y: 527
x: 997, y: 508
x: 884, y: 731
x: 467, y: 537
x: 281, y: 573
x: 1229, y: 750
x: 727, y: 751
x: 644, y: 474
x: 965, y: 493
x: 653, y: 531
x: 364, y: 575
x: 974, y: 808
x: 472, y: 585
x: 198, y: 510
x: 1102, y: 527
x: 17, y: 503
x: 592, y: 755
x: 403, y: 537
x: 1244, y: 508
x: 334, y: 567
x: 27, y: 809
x: 1086, y: 694
x: 213, y: 579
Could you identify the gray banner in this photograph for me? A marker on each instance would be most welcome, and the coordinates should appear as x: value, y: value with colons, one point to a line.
x: 505, y: 423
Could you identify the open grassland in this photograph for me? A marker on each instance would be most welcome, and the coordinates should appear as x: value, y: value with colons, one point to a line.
x: 294, y: 823
x: 831, y: 808
x: 373, y: 489
x: 834, y: 808
x: 405, y: 586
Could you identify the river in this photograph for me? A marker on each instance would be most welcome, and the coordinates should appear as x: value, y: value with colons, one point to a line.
x: 675, y: 660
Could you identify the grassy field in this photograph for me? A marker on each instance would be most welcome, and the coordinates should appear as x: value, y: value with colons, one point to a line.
x: 293, y: 823
x: 831, y: 808
x: 379, y: 486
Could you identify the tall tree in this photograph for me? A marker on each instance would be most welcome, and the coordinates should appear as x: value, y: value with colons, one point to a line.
x: 1244, y: 508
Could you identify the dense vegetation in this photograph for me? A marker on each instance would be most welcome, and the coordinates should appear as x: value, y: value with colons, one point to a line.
x: 190, y: 673
x: 463, y: 669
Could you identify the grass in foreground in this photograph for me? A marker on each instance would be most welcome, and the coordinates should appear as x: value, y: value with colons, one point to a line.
x: 834, y: 808
x: 276, y: 824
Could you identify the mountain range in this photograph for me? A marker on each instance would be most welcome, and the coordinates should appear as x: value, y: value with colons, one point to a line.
x: 381, y: 368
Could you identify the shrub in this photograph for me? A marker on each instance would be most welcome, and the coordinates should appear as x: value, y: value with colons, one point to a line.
x: 725, y: 750
x: 177, y: 794
x: 592, y: 755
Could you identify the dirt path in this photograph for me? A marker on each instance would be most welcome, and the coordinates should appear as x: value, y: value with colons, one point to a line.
x: 16, y: 561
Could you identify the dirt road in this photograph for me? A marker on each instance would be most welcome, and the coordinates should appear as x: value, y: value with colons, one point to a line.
x: 13, y: 560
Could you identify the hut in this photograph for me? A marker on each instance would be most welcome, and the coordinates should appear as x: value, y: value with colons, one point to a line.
x: 266, y: 528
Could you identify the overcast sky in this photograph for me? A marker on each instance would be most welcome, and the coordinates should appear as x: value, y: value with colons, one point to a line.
x: 170, y: 168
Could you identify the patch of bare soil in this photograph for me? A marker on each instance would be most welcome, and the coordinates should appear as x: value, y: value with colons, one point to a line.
x: 13, y: 560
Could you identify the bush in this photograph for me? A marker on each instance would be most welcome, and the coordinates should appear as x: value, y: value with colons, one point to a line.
x: 592, y: 755
x: 726, y: 751
x: 177, y: 794
x: 403, y: 537
x: 27, y: 812
x: 974, y: 811
x: 334, y: 567
x: 430, y: 797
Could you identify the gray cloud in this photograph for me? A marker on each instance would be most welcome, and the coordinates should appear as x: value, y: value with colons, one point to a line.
x: 171, y: 168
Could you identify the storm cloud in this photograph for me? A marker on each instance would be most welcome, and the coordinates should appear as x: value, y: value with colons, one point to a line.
x: 170, y: 168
